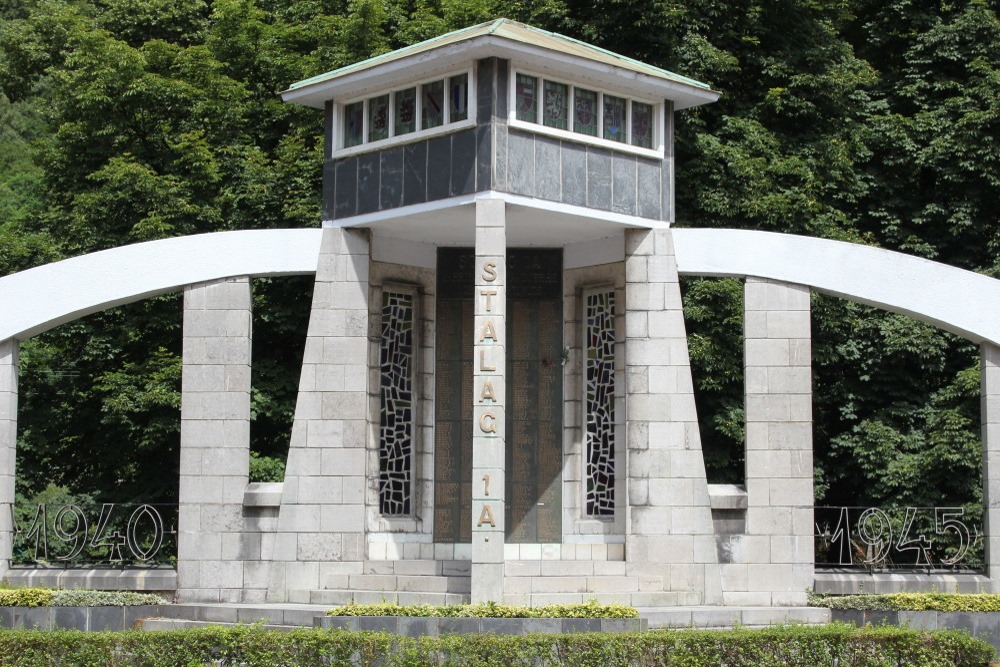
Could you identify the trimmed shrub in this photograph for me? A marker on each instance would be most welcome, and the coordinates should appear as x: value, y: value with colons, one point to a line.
x: 841, y: 645
x: 488, y: 610
x: 79, y: 597
x: 25, y: 597
x: 74, y: 597
x: 908, y: 602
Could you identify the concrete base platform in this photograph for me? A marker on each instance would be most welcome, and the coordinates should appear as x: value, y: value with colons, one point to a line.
x: 287, y: 616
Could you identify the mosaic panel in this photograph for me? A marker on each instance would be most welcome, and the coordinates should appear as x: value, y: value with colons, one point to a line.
x: 600, y: 403
x: 396, y: 423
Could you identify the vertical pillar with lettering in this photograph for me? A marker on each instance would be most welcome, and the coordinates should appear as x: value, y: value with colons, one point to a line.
x: 489, y: 390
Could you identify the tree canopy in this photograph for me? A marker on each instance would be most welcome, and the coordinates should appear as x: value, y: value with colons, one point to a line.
x: 861, y: 120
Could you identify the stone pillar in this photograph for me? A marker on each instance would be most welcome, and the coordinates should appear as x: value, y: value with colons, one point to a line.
x: 775, y: 558
x: 215, y: 440
x: 489, y: 391
x: 321, y: 522
x: 8, y: 447
x: 990, y: 397
x: 670, y: 541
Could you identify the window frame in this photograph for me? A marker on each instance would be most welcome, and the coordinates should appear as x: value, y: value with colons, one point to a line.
x: 658, y: 140
x: 338, y: 119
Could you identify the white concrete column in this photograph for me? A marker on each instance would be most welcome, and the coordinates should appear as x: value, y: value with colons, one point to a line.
x: 321, y: 521
x: 8, y: 447
x: 990, y: 396
x: 670, y: 540
x: 777, y: 550
x: 489, y: 391
x: 215, y: 441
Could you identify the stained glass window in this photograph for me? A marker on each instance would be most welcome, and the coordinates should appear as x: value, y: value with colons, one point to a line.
x: 378, y: 118
x: 396, y: 405
x: 614, y: 118
x: 526, y: 98
x: 406, y: 111
x: 459, y: 98
x: 354, y: 124
x: 432, y: 104
x: 642, y: 124
x: 556, y: 105
x: 599, y: 332
x: 585, y: 112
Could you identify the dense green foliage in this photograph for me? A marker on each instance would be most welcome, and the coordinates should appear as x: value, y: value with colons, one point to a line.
x: 864, y: 120
x: 909, y: 602
x: 75, y: 597
x: 488, y: 610
x: 839, y: 645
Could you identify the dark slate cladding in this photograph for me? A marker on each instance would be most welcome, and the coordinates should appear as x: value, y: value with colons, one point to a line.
x: 415, y: 173
x: 493, y: 156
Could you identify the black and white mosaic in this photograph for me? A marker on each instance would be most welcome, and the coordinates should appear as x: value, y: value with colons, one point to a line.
x: 396, y: 424
x: 600, y: 407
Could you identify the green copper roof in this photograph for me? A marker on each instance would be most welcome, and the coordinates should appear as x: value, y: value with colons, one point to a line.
x: 514, y: 31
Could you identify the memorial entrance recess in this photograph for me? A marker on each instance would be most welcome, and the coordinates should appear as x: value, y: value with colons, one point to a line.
x: 534, y: 378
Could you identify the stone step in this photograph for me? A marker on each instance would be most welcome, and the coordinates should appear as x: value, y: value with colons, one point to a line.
x: 407, y: 583
x: 335, y: 597
x: 447, y: 568
x: 728, y: 617
x: 286, y: 614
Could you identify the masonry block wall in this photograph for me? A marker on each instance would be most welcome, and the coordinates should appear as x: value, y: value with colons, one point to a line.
x: 772, y: 564
x: 8, y: 446
x: 990, y: 396
x: 670, y: 543
x: 321, y: 521
x: 215, y: 443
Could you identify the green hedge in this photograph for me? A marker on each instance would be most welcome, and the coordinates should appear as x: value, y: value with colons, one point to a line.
x: 824, y: 646
x: 909, y: 602
x: 488, y: 610
x: 75, y: 597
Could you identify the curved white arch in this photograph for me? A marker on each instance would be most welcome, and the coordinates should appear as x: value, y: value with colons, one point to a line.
x: 46, y: 296
x: 956, y: 300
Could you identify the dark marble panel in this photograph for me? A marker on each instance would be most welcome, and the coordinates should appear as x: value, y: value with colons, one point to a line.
x: 6, y: 617
x: 347, y: 187
x: 460, y: 626
x: 571, y: 625
x: 438, y: 168
x: 500, y: 168
x: 415, y: 173
x: 484, y: 157
x: 417, y: 627
x: 667, y: 190
x: 598, y: 178
x: 548, y: 168
x: 329, y: 189
x: 69, y: 618
x: 339, y: 622
x: 463, y: 162
x: 503, y: 71
x: 485, y: 85
x: 107, y: 618
x: 574, y: 173
x: 378, y: 623
x: 623, y: 184
x: 32, y: 618
x: 648, y: 188
x: 547, y: 626
x: 502, y: 626
x: 136, y: 612
x: 391, y: 185
x: 368, y: 182
x: 521, y: 158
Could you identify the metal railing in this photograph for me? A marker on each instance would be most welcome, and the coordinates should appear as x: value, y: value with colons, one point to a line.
x: 109, y: 534
x: 919, y: 539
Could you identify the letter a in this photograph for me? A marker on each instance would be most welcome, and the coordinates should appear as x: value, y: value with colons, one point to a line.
x: 486, y: 516
x: 488, y: 332
x: 488, y: 393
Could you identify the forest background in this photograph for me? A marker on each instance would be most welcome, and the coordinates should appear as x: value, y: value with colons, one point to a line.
x: 872, y: 121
